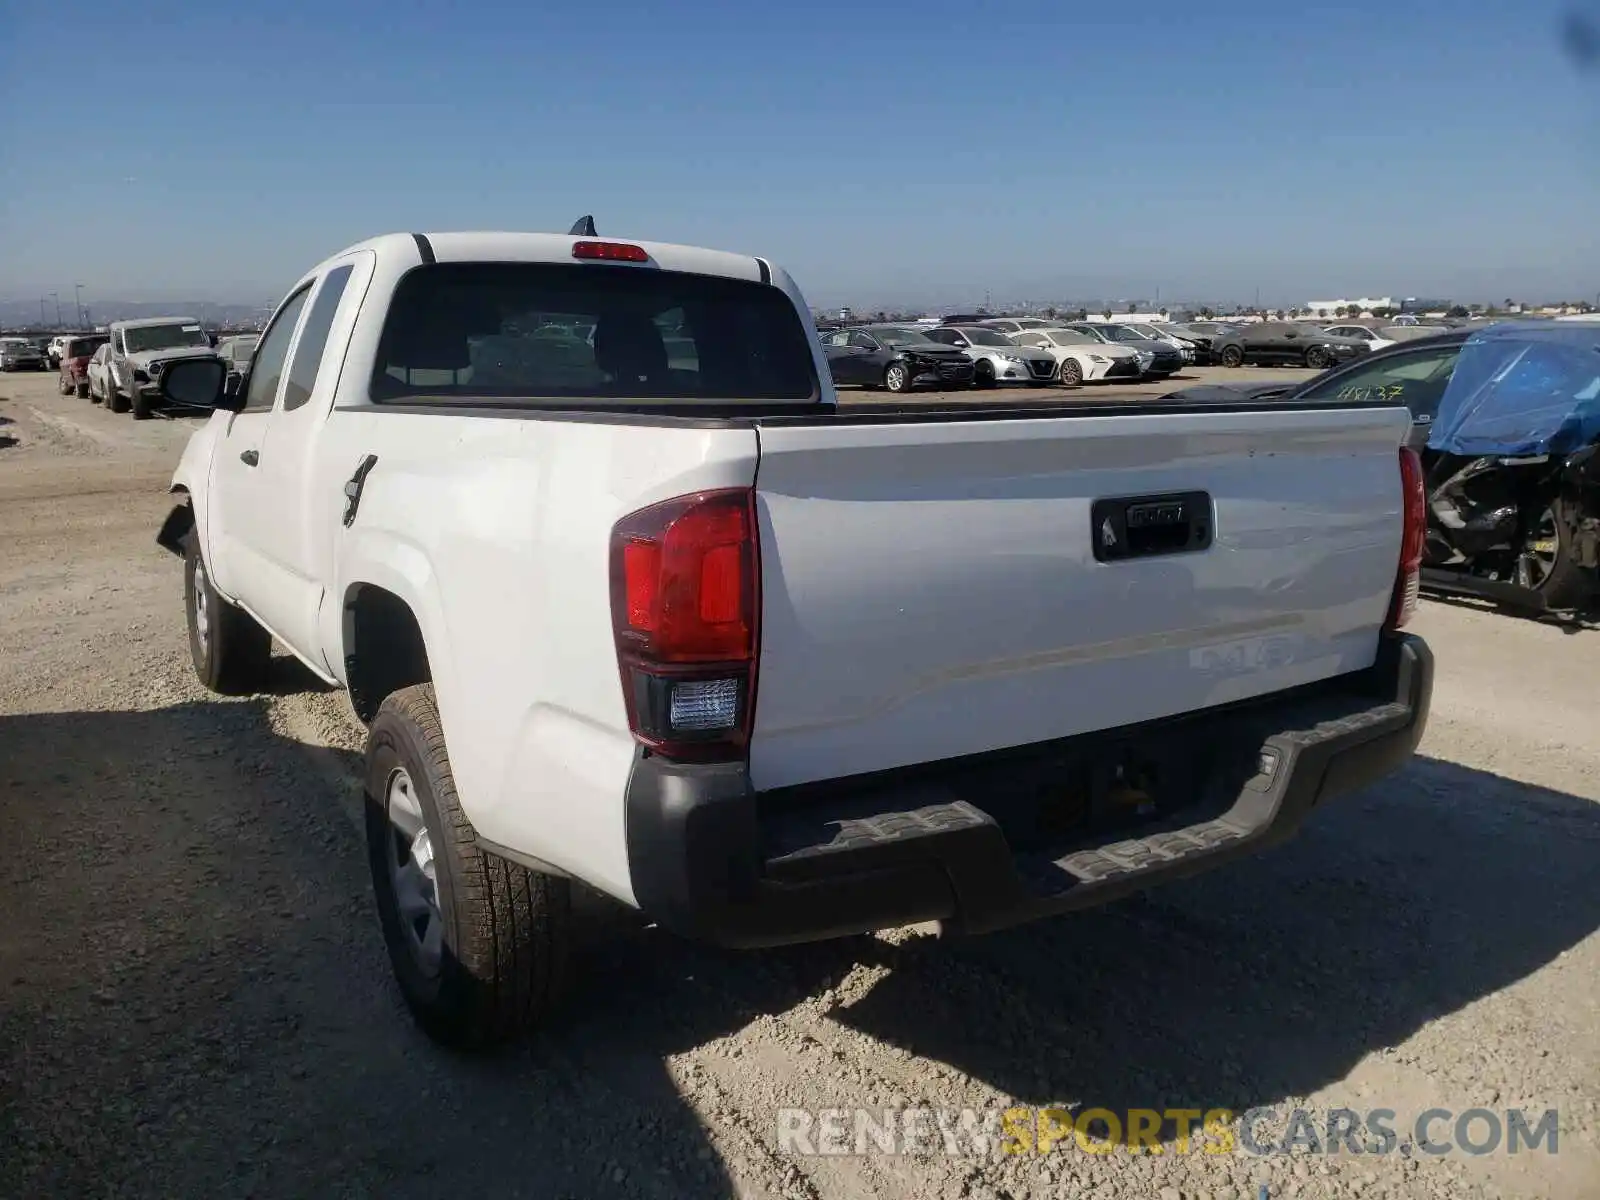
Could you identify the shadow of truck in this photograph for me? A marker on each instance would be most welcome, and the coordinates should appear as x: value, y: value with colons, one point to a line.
x: 194, y: 997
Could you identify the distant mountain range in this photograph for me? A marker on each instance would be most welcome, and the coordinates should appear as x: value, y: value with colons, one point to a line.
x: 23, y: 314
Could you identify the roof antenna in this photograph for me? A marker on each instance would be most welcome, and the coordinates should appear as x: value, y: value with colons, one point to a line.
x: 584, y: 228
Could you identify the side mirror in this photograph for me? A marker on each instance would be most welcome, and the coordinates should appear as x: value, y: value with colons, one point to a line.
x: 199, y: 383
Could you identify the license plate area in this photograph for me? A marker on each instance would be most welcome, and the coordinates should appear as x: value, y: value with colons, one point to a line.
x: 1126, y: 527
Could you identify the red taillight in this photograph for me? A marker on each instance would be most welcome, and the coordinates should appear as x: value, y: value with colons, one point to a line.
x: 613, y: 251
x: 684, y: 608
x: 1408, y: 579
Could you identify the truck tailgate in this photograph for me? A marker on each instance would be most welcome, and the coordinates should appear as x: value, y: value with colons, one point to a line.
x: 934, y: 589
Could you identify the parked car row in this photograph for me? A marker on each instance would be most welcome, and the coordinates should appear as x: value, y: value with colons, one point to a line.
x: 122, y: 367
x: 1000, y: 351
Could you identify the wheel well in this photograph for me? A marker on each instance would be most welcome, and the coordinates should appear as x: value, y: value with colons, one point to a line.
x: 179, y: 525
x: 384, y: 650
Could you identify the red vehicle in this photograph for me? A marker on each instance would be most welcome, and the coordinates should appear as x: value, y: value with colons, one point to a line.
x: 75, y: 356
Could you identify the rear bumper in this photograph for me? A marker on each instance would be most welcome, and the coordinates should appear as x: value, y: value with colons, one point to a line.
x: 985, y: 843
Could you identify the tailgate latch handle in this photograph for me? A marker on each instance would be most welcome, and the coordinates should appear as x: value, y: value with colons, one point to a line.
x: 352, y: 489
x: 1143, y: 526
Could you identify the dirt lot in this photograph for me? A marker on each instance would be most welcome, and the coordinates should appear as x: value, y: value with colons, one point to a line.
x: 194, y: 999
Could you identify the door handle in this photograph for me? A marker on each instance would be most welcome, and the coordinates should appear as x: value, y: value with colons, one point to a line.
x: 250, y: 458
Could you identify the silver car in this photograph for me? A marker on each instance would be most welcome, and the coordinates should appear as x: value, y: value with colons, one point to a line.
x: 1159, y: 333
x: 996, y: 358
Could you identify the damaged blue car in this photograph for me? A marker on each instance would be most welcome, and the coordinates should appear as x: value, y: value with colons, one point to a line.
x: 1511, y: 471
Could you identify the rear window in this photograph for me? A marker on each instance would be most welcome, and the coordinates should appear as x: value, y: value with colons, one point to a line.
x: 84, y: 347
x: 485, y: 333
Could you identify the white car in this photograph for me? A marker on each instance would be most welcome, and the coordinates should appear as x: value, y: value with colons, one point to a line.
x: 997, y: 360
x: 1010, y: 325
x: 1012, y: 662
x: 1080, y: 358
x: 99, y: 373
x: 1361, y: 334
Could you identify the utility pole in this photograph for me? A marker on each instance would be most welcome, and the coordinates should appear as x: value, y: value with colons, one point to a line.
x: 77, y: 291
x: 41, y: 312
x: 56, y: 296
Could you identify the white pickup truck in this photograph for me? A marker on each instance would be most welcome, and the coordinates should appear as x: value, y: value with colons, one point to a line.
x: 624, y: 597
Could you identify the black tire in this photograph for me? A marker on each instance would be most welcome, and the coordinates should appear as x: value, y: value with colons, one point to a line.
x: 1318, y: 359
x: 229, y: 650
x: 82, y: 390
x: 983, y: 374
x: 63, y: 386
x: 115, y: 400
x: 141, y: 404
x: 94, y: 396
x: 1232, y: 356
x: 897, y: 377
x: 1071, y: 373
x: 1565, y: 585
x: 502, y: 929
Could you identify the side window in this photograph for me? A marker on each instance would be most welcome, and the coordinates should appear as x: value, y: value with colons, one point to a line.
x: 267, y: 370
x: 1415, y: 380
x: 863, y: 341
x: 839, y: 337
x: 948, y: 337
x: 314, y: 339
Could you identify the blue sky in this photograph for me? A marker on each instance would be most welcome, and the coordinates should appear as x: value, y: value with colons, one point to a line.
x: 884, y: 152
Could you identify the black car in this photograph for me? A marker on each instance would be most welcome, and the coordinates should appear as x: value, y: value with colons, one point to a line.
x: 1157, y: 360
x: 897, y: 357
x: 1414, y: 373
x: 1286, y: 344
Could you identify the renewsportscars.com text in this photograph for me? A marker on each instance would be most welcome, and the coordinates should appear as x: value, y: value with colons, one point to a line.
x: 991, y: 1132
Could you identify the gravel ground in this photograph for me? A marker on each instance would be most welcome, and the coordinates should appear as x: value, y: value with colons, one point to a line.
x: 194, y: 998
